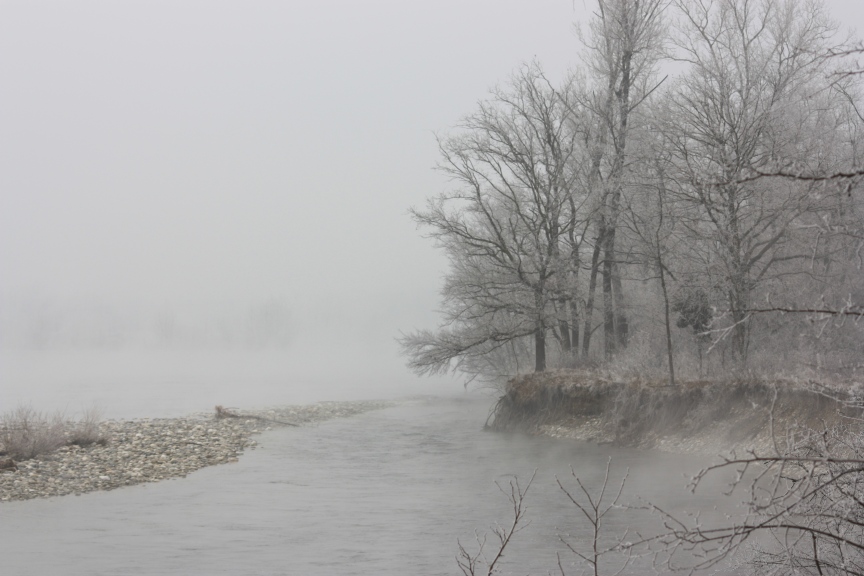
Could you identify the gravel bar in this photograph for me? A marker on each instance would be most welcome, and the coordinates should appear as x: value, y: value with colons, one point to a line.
x: 149, y: 450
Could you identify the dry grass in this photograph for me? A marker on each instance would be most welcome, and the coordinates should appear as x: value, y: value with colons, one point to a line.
x: 26, y: 433
x: 641, y: 412
x: 87, y: 431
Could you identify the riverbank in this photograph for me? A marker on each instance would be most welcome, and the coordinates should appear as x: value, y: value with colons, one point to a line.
x: 697, y: 417
x: 150, y: 450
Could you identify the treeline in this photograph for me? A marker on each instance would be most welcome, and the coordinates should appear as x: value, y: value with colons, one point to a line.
x: 42, y: 323
x: 707, y: 219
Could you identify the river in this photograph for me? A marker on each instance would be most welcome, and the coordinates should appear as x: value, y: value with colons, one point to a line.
x: 384, y: 493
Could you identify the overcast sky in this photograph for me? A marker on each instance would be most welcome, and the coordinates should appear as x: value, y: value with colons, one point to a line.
x: 217, y: 153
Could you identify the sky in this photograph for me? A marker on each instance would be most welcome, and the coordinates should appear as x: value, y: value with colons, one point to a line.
x: 217, y: 153
x: 198, y: 155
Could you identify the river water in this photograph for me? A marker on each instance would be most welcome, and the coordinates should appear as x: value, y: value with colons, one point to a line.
x: 384, y: 493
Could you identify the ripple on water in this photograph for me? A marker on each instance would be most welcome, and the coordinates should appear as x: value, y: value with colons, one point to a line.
x: 383, y: 493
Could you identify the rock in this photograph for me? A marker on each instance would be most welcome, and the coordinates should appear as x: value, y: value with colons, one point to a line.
x: 150, y: 450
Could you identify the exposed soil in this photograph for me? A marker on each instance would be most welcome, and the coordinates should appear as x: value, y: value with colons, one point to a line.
x: 693, y: 417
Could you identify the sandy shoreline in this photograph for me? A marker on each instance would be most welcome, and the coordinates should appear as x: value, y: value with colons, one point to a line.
x: 150, y: 450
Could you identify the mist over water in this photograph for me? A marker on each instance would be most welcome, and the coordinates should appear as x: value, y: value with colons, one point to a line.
x: 387, y: 493
x: 138, y: 383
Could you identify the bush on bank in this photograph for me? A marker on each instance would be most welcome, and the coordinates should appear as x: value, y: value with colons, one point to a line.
x: 26, y: 433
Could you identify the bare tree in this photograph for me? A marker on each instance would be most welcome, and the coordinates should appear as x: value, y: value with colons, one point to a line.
x: 736, y: 187
x: 623, y: 46
x: 831, y: 234
x: 648, y: 217
x: 746, y: 100
x: 503, y: 224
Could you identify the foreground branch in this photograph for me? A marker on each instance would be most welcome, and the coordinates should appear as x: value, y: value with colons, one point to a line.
x: 472, y: 564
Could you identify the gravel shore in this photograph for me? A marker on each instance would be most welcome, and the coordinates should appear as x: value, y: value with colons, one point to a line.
x: 149, y: 450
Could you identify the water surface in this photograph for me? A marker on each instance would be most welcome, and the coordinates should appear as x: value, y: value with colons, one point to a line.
x: 383, y: 493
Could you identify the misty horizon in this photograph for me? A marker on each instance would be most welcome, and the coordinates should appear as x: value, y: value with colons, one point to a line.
x: 240, y: 175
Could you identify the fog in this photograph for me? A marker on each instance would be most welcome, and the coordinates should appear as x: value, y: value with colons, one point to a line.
x: 198, y: 195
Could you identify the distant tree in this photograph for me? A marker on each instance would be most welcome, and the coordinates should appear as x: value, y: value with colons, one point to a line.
x: 267, y: 324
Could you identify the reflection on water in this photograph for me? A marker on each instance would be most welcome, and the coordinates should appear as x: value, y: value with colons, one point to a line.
x: 386, y: 492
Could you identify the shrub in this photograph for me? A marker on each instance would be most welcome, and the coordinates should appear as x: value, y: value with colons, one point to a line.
x: 26, y: 433
x: 86, y: 431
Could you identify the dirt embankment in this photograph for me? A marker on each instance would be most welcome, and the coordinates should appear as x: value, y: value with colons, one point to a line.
x: 701, y: 416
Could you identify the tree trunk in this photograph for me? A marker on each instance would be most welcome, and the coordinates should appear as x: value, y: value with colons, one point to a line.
x: 564, y: 327
x: 540, y: 348
x: 609, y: 339
x: 540, y: 330
x: 737, y: 305
x: 571, y: 304
x: 574, y: 327
x: 592, y: 288
x: 615, y: 322
x: 659, y: 254
x: 608, y: 310
x: 668, y: 322
x: 622, y: 326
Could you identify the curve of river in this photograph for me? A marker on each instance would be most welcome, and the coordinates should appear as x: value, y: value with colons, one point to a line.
x: 387, y: 492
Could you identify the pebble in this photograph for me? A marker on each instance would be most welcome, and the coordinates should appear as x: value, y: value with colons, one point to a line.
x: 150, y: 450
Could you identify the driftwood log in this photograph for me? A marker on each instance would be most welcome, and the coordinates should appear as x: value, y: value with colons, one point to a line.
x: 222, y: 412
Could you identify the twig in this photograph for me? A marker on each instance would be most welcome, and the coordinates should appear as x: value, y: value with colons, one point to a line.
x: 469, y: 563
x: 595, y: 511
